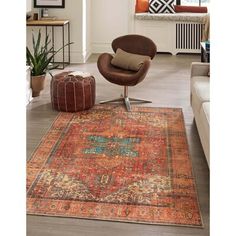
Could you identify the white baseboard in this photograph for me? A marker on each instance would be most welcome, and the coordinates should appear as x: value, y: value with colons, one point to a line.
x: 86, y: 55
x: 75, y: 56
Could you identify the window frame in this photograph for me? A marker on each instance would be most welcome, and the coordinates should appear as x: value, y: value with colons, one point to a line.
x: 178, y: 2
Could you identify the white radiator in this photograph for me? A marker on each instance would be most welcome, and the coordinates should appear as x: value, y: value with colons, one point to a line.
x: 173, y: 36
x: 188, y: 37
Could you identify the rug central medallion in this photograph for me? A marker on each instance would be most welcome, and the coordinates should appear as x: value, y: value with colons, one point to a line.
x: 109, y: 164
x: 112, y: 146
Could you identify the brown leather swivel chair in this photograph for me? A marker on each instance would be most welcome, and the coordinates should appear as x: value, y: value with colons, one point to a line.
x: 136, y: 44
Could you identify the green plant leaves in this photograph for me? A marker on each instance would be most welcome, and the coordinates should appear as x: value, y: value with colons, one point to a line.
x: 41, y: 56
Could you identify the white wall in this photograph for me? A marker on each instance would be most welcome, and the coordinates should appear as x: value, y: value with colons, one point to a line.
x: 73, y: 11
x: 87, y: 50
x: 28, y: 5
x: 94, y: 24
x: 89, y: 27
x: 110, y: 19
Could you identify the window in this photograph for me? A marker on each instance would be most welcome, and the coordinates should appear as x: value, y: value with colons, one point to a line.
x: 193, y: 2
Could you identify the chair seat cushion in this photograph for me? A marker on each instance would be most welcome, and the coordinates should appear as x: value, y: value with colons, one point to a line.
x: 128, y: 61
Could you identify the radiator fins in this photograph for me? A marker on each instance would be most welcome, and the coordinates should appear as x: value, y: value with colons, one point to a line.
x: 188, y: 36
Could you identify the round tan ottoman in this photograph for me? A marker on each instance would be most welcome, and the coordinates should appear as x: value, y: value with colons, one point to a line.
x: 71, y: 93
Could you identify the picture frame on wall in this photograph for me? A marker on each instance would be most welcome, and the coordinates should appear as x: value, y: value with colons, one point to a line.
x: 49, y: 3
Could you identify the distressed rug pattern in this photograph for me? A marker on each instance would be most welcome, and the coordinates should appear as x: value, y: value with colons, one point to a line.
x: 109, y: 164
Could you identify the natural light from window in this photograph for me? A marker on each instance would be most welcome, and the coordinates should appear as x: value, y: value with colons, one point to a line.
x: 195, y: 2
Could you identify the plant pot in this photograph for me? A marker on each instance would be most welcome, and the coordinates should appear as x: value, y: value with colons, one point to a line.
x: 37, y: 84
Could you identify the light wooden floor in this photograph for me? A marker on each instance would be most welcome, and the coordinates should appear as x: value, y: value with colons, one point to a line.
x: 167, y: 85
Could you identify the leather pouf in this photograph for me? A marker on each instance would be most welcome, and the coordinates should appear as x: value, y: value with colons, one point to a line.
x: 72, y: 93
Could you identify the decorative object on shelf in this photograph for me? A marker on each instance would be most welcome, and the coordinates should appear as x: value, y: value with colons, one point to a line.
x: 28, y: 16
x: 40, y: 61
x: 49, y: 3
x: 35, y: 16
x: 45, y: 12
x: 109, y: 164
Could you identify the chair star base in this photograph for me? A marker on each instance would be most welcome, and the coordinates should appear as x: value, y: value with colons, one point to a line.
x: 126, y: 101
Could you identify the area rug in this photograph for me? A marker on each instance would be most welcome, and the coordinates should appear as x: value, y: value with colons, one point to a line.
x: 109, y: 164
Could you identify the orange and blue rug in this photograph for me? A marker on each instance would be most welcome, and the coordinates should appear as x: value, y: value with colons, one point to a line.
x: 109, y: 164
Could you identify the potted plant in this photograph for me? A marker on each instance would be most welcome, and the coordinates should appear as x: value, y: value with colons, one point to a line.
x: 40, y: 62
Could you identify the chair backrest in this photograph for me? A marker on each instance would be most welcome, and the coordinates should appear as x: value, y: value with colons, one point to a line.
x: 134, y: 43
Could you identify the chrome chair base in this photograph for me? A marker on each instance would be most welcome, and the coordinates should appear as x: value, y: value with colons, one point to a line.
x: 126, y: 100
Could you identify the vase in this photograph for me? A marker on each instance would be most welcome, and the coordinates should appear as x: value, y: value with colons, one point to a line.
x: 37, y: 84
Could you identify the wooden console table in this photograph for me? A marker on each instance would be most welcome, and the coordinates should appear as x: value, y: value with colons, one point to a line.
x: 52, y: 24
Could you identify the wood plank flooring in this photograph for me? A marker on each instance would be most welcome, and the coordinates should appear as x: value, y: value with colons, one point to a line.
x: 167, y: 84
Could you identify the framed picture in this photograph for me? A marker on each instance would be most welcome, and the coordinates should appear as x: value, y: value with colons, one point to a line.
x: 49, y: 3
